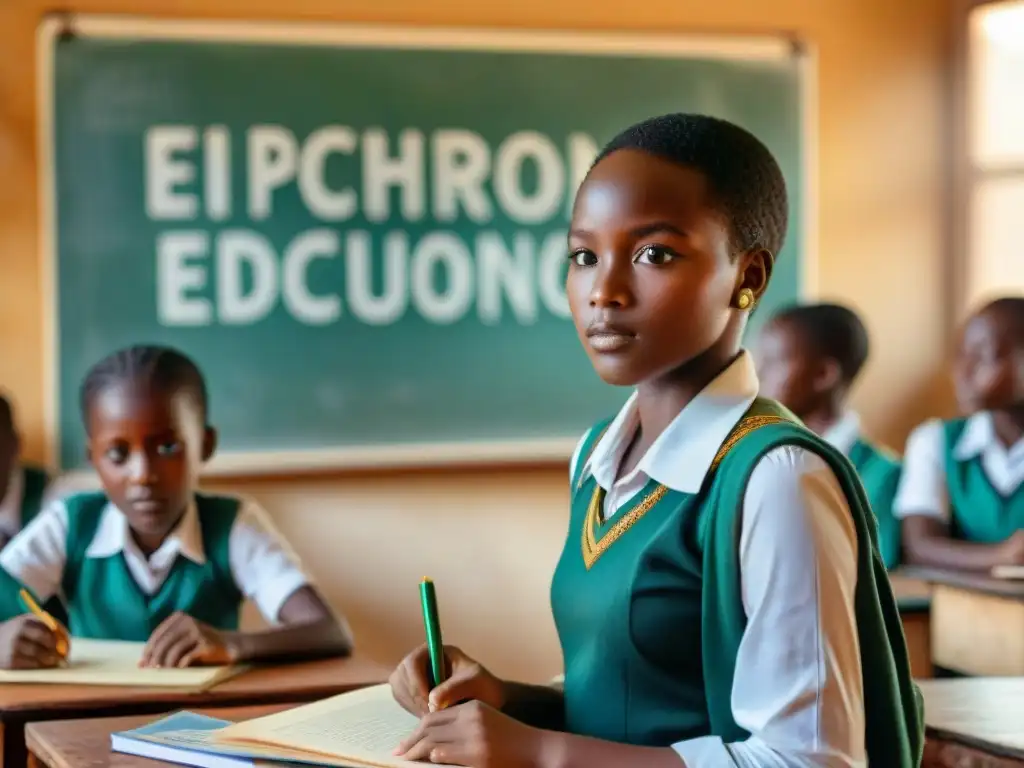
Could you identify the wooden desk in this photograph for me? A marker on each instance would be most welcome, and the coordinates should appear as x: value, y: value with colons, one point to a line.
x: 86, y: 743
x: 970, y: 722
x: 977, y: 622
x: 914, y: 600
x: 974, y: 723
x: 284, y: 684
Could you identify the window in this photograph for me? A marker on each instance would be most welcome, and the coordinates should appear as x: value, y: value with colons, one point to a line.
x: 995, y: 151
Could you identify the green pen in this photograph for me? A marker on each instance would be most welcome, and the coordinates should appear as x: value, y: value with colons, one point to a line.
x: 432, y: 625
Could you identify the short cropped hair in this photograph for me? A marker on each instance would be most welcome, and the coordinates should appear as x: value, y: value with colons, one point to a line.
x: 744, y: 178
x: 832, y: 330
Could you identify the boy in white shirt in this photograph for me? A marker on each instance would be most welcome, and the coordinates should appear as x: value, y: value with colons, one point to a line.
x: 149, y: 558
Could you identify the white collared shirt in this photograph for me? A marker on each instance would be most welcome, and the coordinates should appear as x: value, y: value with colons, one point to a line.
x: 844, y: 433
x: 798, y: 687
x: 265, y: 569
x: 923, y: 490
x: 10, y: 505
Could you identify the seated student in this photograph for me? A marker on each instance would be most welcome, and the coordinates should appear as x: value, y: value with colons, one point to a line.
x: 961, y: 497
x: 719, y: 601
x: 22, y: 486
x: 150, y: 558
x: 809, y: 357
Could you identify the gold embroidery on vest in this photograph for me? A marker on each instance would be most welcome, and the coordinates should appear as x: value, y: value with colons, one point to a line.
x: 594, y: 547
x: 744, y: 428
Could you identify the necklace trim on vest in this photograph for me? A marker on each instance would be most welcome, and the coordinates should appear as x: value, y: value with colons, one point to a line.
x: 593, y: 547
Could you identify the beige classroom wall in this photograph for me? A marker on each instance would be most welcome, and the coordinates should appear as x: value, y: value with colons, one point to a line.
x: 490, y: 539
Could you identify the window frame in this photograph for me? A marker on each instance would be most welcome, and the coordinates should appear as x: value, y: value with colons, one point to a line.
x: 964, y: 174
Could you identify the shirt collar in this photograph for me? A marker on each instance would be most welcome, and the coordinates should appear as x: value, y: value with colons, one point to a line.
x: 978, y: 436
x: 112, y: 537
x: 681, y: 456
x: 844, y: 433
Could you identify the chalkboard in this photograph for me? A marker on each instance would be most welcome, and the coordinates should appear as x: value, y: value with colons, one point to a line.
x: 359, y: 232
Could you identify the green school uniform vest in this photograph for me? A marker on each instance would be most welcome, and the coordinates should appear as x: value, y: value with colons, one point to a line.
x: 879, y: 471
x: 33, y: 487
x: 649, y: 610
x: 978, y: 512
x: 101, y: 597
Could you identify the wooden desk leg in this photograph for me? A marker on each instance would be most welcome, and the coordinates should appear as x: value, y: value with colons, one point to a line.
x: 917, y: 629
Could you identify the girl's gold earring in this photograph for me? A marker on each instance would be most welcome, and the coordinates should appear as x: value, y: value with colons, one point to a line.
x: 745, y: 299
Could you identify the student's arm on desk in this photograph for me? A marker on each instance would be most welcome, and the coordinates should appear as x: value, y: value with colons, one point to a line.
x: 927, y: 542
x: 922, y: 503
x: 309, y: 629
x: 269, y: 573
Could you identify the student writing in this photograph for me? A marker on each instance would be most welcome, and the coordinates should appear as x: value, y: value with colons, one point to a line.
x: 150, y: 558
x: 809, y: 357
x: 720, y: 599
x: 961, y: 497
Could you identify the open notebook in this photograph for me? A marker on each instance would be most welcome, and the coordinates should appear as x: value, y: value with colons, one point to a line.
x: 358, y: 729
x: 111, y: 662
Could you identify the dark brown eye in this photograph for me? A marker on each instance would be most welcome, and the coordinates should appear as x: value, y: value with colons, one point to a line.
x: 169, y: 448
x: 655, y: 255
x: 583, y: 258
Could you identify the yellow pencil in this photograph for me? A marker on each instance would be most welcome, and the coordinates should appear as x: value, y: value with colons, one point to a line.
x: 48, y: 620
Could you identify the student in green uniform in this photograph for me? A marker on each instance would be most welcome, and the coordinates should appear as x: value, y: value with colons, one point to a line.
x: 22, y: 486
x: 150, y: 558
x: 720, y: 599
x: 961, y: 496
x: 809, y: 357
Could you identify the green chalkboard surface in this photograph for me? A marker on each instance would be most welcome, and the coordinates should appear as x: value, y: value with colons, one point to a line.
x: 359, y: 232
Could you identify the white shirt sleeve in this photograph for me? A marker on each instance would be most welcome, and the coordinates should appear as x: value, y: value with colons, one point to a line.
x: 798, y: 688
x: 264, y: 567
x: 36, y: 556
x: 576, y: 454
x: 922, y: 489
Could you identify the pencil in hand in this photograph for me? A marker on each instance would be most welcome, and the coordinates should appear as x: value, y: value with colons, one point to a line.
x: 63, y: 641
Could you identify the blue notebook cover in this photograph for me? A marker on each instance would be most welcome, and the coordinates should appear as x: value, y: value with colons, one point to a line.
x: 187, y: 739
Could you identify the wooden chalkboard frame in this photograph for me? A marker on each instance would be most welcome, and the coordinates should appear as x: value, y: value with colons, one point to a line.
x: 553, y: 450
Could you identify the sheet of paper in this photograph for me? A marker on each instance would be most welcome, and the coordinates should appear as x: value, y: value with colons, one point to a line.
x: 110, y: 662
x: 361, y: 727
